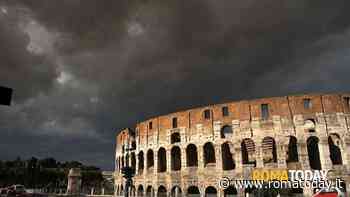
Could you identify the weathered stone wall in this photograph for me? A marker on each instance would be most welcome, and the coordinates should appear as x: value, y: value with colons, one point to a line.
x: 303, y: 117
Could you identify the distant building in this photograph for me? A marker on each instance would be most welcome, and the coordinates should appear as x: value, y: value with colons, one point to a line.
x: 108, y: 183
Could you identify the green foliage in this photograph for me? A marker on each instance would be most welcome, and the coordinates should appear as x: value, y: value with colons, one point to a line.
x: 46, y: 173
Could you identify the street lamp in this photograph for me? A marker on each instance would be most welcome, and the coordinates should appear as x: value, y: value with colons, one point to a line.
x: 128, y: 172
x: 5, y: 95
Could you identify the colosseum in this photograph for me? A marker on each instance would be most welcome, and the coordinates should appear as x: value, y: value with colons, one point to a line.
x: 187, y: 152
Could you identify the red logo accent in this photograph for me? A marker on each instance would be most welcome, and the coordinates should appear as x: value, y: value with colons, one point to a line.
x: 326, y: 194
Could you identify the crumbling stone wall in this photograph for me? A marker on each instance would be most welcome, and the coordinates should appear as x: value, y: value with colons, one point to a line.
x: 231, y: 139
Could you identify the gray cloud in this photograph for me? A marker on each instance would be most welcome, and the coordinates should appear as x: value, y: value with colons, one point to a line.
x: 83, y: 69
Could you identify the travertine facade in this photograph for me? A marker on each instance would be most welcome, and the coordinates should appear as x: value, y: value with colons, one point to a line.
x: 187, y: 152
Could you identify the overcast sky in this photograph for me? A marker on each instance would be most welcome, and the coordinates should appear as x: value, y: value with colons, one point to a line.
x: 82, y: 69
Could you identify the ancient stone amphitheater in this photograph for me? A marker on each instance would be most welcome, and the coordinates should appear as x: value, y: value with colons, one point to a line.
x: 187, y: 153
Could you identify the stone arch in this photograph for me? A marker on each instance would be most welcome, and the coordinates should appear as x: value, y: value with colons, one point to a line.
x: 226, y: 131
x: 176, y: 191
x: 210, y: 191
x: 292, y: 154
x: 310, y: 125
x: 228, y: 162
x: 150, y: 158
x: 334, y: 144
x: 175, y: 138
x: 133, y: 161
x: 269, y: 150
x: 209, y: 154
x: 161, y: 159
x: 230, y: 192
x: 161, y: 191
x: 191, y: 155
x: 149, y: 191
x: 175, y: 158
x: 140, y: 191
x: 193, y: 191
x: 314, y: 153
x: 141, y: 162
x: 248, y: 151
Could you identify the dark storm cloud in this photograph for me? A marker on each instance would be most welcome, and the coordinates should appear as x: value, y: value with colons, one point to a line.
x: 25, y: 72
x: 109, y: 64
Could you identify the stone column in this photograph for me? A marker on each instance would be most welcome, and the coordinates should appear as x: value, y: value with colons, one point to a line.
x: 74, y: 181
x: 155, y: 162
x: 238, y: 157
x: 155, y: 192
x: 346, y: 153
x: 218, y: 156
x: 145, y: 162
x: 137, y: 163
x: 326, y: 162
x: 183, y: 158
x: 240, y: 192
x: 259, y: 156
x: 168, y: 160
x: 176, y: 192
x: 281, y: 150
x: 200, y: 157
x: 303, y: 155
x: 308, y: 192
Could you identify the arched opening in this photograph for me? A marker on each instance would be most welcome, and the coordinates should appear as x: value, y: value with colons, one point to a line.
x: 121, y: 190
x: 149, y: 191
x: 334, y: 144
x: 161, y: 160
x: 191, y: 155
x: 227, y: 157
x: 140, y: 190
x: 123, y: 163
x: 141, y: 162
x: 269, y: 150
x: 175, y: 158
x: 343, y: 187
x: 207, y: 114
x: 193, y: 191
x: 175, y: 138
x: 133, y: 145
x: 226, y: 131
x: 133, y: 161
x: 210, y: 191
x: 150, y: 159
x: 314, y: 153
x: 209, y: 154
x: 133, y: 191
x: 176, y: 192
x: 230, y: 192
x: 248, y: 151
x: 127, y: 160
x: 161, y: 191
x: 292, y: 154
